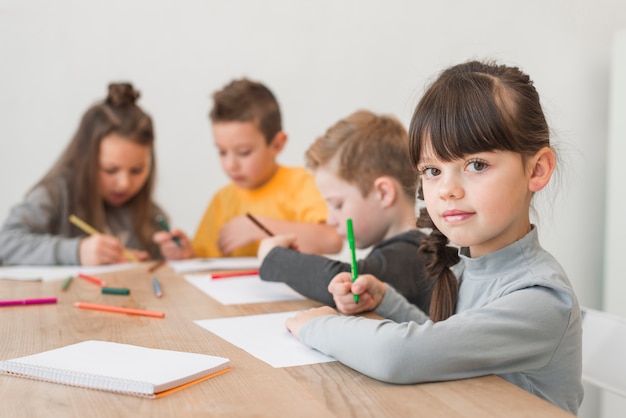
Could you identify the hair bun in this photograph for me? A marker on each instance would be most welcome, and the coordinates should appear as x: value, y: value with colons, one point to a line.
x: 122, y: 94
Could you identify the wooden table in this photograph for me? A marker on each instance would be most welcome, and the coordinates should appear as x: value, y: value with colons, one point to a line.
x: 251, y: 388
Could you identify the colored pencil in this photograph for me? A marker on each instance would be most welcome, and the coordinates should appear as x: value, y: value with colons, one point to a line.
x: 226, y: 274
x: 161, y: 220
x: 92, y: 279
x: 259, y: 224
x: 353, y: 264
x: 157, y: 288
x: 115, y: 291
x: 36, y: 301
x: 118, y: 309
x: 93, y: 231
x: 66, y: 283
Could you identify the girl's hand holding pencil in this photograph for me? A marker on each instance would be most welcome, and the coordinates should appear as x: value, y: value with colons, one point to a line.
x: 369, y: 289
x: 100, y: 248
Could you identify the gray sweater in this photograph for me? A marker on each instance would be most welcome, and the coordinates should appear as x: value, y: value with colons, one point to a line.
x: 394, y: 261
x: 38, y: 231
x: 517, y: 317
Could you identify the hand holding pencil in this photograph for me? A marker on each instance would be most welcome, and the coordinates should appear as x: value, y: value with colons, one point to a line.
x: 174, y: 244
x: 98, y: 249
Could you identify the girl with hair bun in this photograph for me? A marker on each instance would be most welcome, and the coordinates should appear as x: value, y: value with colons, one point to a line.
x: 501, y: 304
x: 105, y: 177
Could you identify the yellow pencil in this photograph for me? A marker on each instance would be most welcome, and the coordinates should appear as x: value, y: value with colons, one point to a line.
x: 92, y: 231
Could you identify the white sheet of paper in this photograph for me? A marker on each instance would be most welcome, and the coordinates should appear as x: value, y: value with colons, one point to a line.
x: 204, y: 264
x: 266, y: 338
x: 243, y: 289
x: 51, y: 273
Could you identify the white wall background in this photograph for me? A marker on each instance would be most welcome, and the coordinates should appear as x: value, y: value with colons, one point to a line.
x: 323, y: 59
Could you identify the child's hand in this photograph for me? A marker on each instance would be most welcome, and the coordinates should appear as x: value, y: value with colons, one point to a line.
x: 369, y: 288
x: 169, y: 249
x: 238, y: 232
x: 266, y: 245
x: 100, y: 249
x: 295, y: 323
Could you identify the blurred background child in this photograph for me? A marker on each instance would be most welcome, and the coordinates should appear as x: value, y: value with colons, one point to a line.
x: 105, y: 176
x: 247, y: 130
x: 361, y: 166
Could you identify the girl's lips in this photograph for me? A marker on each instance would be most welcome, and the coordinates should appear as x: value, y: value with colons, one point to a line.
x: 118, y: 197
x: 453, y: 216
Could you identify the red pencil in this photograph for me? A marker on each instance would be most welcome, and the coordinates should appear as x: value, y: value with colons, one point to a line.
x: 92, y: 279
x: 234, y: 274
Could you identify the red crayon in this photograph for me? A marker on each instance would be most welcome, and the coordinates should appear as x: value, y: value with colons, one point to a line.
x: 92, y: 279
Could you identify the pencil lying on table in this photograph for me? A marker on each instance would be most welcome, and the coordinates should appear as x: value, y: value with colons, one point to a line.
x: 36, y: 301
x: 237, y: 273
x: 118, y: 309
x: 93, y: 231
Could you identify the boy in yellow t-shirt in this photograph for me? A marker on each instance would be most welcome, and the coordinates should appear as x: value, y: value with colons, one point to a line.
x: 248, y: 134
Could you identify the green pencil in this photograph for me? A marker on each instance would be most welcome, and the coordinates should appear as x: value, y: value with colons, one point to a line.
x: 354, y: 268
x: 161, y: 220
x: 115, y: 291
x: 66, y: 283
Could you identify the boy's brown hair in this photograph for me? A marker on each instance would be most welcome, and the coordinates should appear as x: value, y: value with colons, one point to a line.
x: 367, y: 146
x: 244, y: 100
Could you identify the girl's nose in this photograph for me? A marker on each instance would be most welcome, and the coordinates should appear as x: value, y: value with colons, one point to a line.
x: 123, y: 181
x: 450, y: 187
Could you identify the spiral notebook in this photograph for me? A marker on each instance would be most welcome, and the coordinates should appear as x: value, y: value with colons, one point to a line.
x: 115, y: 367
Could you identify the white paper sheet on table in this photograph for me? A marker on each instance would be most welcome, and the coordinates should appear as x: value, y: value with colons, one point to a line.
x: 51, y: 273
x: 204, y: 264
x: 266, y: 338
x: 243, y: 289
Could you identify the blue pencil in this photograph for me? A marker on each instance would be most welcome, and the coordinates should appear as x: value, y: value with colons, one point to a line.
x: 157, y: 288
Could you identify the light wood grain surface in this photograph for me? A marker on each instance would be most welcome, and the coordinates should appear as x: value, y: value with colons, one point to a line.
x: 251, y: 389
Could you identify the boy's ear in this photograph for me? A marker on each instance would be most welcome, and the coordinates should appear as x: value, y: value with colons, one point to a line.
x: 278, y: 142
x: 386, y: 191
x: 542, y: 166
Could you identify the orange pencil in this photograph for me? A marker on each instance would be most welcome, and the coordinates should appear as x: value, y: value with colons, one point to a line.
x: 118, y: 309
x: 92, y: 279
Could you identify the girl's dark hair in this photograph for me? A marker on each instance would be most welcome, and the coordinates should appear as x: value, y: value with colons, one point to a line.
x: 470, y: 108
x: 78, y: 165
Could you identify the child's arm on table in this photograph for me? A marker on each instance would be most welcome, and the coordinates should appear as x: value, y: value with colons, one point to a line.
x: 311, y: 238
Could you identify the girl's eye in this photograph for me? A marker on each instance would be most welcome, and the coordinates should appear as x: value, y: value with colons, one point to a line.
x: 477, y: 166
x: 244, y: 153
x: 430, y: 172
x: 137, y: 171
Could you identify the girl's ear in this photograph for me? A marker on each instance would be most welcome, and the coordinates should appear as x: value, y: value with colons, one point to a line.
x: 542, y: 166
x: 278, y: 142
x: 386, y: 190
